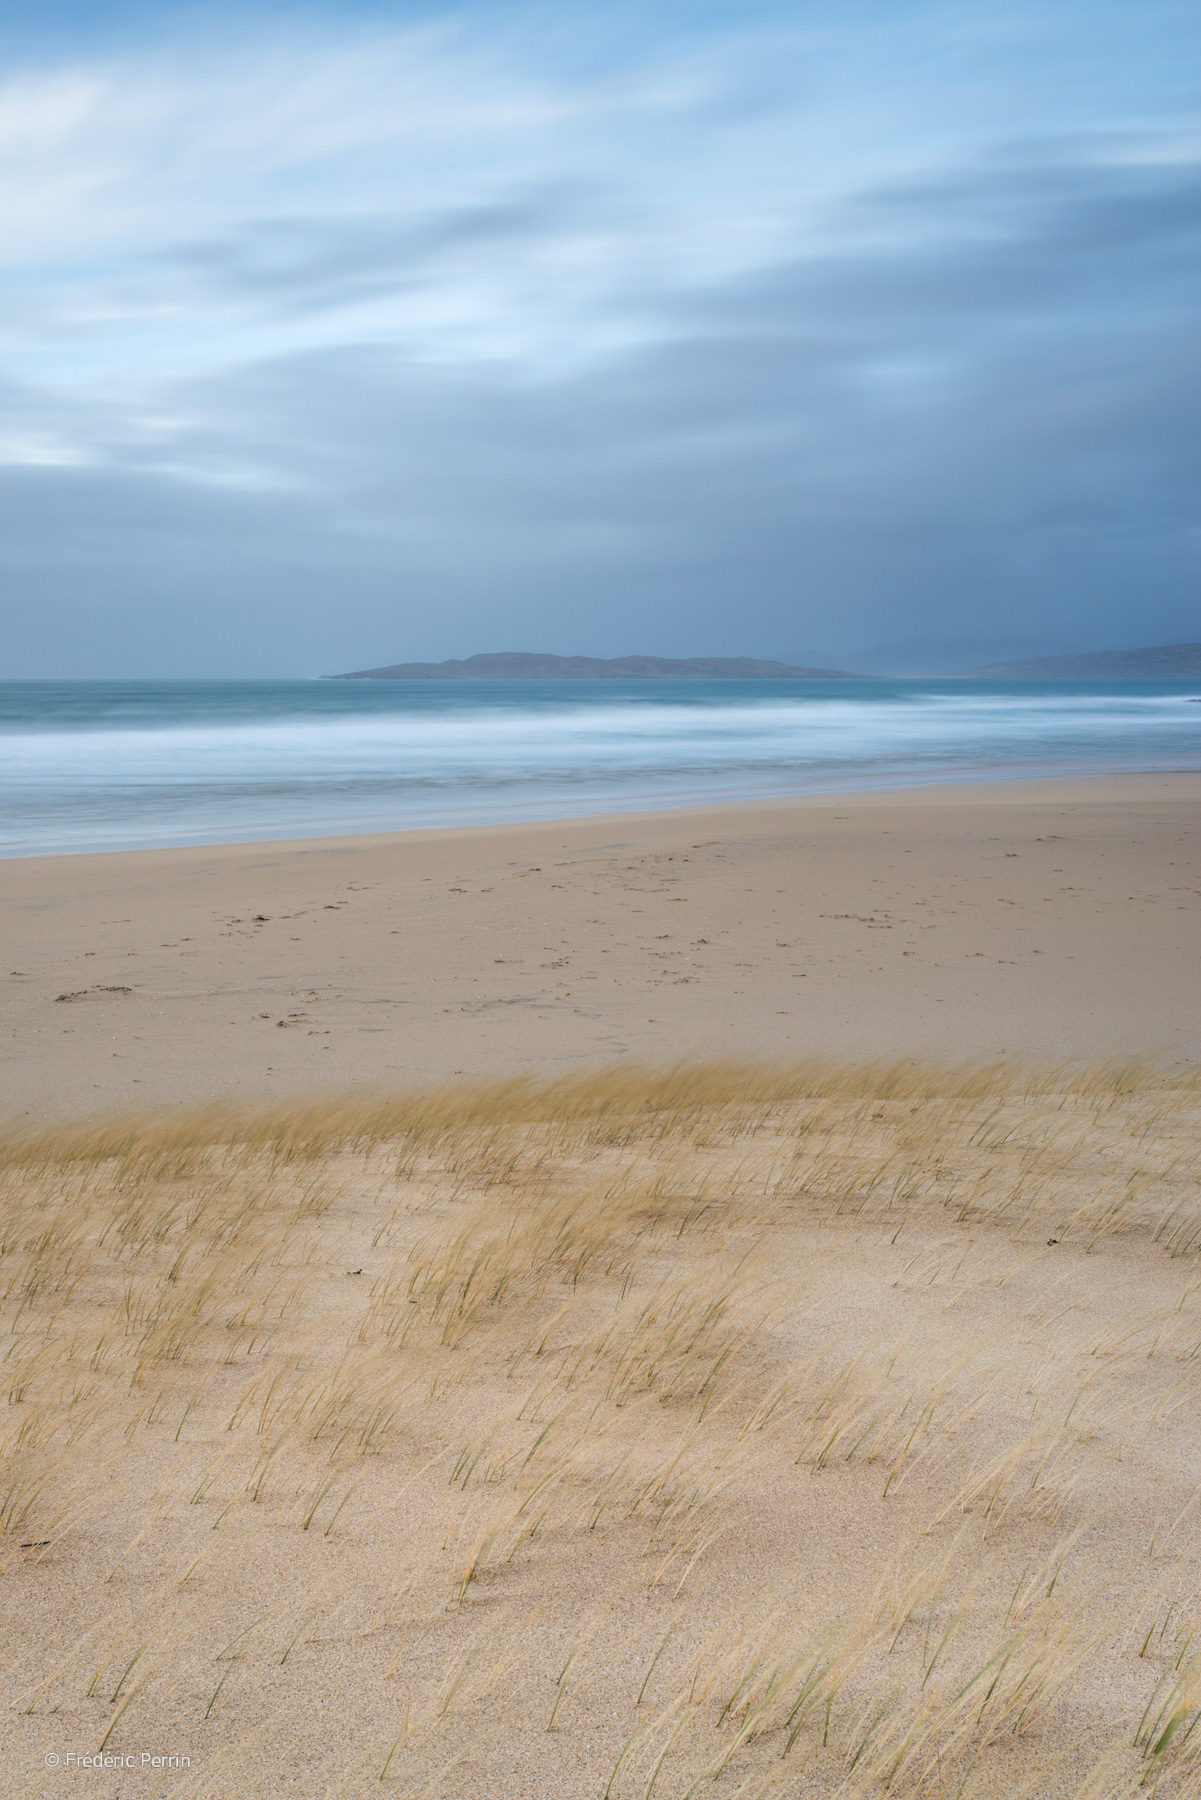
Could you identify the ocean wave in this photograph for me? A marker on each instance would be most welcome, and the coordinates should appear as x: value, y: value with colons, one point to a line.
x: 196, y: 766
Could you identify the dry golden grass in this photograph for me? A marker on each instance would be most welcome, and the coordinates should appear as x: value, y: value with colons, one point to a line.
x: 827, y: 1431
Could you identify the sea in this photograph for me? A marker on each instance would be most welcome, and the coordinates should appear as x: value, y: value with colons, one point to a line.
x: 117, y: 765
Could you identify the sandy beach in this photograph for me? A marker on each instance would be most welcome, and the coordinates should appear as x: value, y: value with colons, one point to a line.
x: 791, y: 1422
x: 600, y: 879
x: 1037, y: 918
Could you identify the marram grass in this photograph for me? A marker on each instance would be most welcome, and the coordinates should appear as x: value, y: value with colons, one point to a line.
x: 825, y: 1430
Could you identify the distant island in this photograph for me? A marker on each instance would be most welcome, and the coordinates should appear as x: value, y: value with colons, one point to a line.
x: 1155, y: 659
x: 526, y: 665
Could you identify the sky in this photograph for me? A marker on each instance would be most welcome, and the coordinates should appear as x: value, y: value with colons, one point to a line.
x: 339, y: 337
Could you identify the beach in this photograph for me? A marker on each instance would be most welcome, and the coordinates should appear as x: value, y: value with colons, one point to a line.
x: 600, y: 879
x: 1042, y: 918
x: 639, y: 1305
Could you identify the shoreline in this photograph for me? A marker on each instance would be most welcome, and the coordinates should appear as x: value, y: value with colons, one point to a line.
x: 868, y: 789
x: 874, y: 790
x: 1033, y: 918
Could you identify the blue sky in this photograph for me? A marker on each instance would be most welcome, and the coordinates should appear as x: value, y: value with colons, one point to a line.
x: 336, y: 338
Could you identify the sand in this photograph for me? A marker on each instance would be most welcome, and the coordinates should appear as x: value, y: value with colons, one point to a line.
x: 829, y: 1433
x: 833, y: 1435
x: 1038, y: 918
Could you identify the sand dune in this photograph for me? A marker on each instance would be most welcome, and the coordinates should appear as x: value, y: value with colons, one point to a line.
x: 733, y: 1431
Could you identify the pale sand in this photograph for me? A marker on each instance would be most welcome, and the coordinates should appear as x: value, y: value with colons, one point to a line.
x: 1038, y: 918
x: 826, y: 1439
x: 775, y: 1438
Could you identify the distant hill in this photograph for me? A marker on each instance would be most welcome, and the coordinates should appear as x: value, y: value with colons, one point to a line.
x: 524, y: 665
x: 1156, y: 659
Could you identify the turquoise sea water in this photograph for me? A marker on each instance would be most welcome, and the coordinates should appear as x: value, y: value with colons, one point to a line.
x: 115, y: 765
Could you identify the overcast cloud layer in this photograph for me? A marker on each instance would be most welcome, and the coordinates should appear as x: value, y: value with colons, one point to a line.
x: 331, y: 341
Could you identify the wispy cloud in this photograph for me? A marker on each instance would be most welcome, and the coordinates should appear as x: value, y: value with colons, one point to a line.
x: 750, y: 332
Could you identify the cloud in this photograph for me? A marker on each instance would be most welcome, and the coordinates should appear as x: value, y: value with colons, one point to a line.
x: 310, y: 265
x: 414, y: 342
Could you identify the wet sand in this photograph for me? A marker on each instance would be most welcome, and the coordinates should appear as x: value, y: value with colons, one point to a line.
x: 1038, y: 918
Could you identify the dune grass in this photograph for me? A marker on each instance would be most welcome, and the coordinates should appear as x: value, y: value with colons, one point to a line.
x: 819, y: 1431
